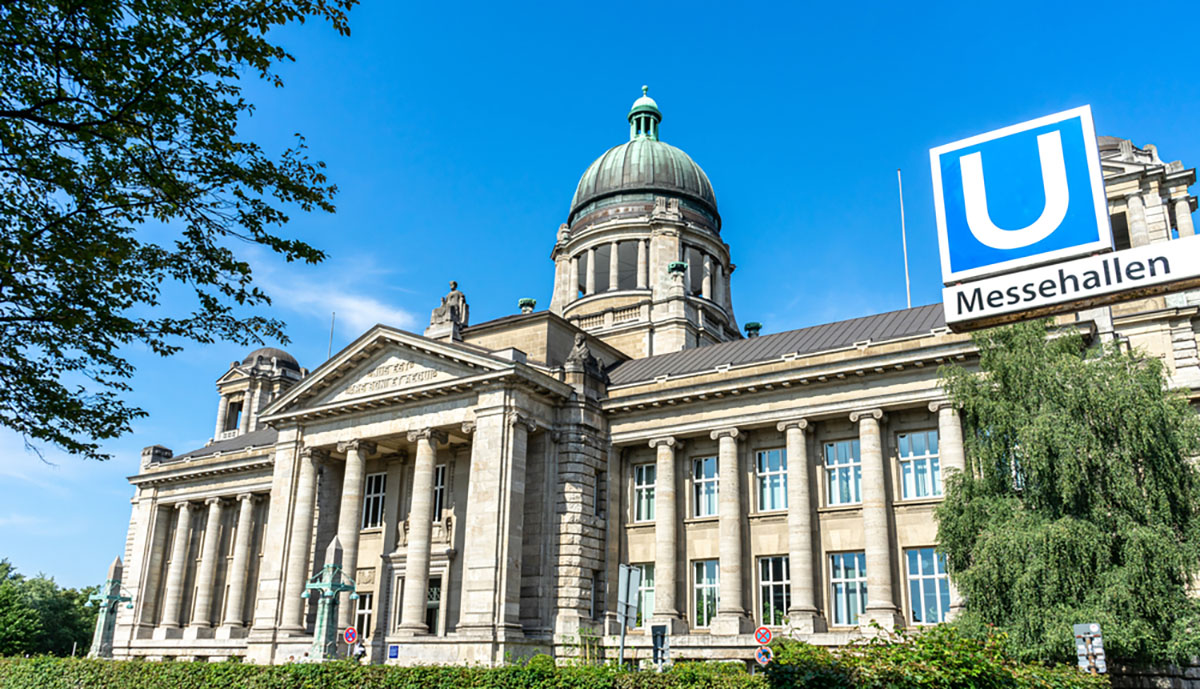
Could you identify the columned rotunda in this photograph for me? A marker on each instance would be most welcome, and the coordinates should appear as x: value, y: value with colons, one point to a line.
x: 485, y: 480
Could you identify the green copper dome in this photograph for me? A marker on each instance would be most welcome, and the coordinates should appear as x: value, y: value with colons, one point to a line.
x: 644, y: 164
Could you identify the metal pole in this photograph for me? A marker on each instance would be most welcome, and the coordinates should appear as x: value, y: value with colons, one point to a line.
x: 904, y: 240
x: 332, y: 318
x: 621, y: 653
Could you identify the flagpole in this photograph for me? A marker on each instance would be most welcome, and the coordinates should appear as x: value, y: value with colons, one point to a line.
x: 904, y: 241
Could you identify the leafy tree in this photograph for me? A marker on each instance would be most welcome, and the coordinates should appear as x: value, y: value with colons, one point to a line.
x: 121, y: 175
x: 43, y: 617
x: 1080, y: 500
x: 20, y: 624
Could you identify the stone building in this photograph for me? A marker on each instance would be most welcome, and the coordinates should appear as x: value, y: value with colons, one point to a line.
x: 486, y: 479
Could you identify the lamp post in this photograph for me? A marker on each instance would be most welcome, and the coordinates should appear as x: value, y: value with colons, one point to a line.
x: 328, y: 585
x: 109, y: 598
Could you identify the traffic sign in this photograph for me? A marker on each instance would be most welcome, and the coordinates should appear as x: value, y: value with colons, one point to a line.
x: 762, y: 635
x: 350, y: 635
x: 763, y: 655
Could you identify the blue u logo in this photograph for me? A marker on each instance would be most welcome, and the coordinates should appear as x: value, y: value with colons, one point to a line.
x: 1023, y: 195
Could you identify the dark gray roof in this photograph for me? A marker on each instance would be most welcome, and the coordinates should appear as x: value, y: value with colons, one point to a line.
x: 267, y: 353
x: 261, y: 437
x: 818, y: 338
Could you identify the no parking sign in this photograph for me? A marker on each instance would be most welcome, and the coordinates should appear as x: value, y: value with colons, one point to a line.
x: 350, y: 635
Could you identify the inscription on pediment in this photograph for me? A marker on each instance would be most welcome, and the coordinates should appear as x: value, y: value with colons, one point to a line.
x: 392, y: 373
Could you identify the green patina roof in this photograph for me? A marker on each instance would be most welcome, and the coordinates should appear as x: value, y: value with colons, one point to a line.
x: 644, y: 164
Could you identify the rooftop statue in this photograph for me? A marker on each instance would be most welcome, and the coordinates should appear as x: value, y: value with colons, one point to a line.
x: 454, y: 309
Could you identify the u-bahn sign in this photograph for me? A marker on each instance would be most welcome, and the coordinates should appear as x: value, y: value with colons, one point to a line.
x: 1023, y: 227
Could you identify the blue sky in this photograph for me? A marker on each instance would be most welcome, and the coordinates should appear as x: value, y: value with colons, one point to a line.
x: 457, y: 132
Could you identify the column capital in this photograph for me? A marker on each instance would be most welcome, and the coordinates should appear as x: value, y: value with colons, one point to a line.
x: 363, y: 447
x: 431, y: 434
x: 183, y: 505
x: 792, y: 423
x: 314, y: 454
x: 938, y: 405
x: 861, y: 414
x: 245, y: 497
x: 468, y: 427
x: 1134, y: 194
x: 724, y: 433
x: 516, y: 418
x: 667, y: 441
x: 212, y: 501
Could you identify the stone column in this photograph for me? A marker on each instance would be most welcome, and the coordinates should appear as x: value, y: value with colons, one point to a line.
x: 350, y: 517
x: 300, y: 545
x: 173, y: 596
x: 239, y: 569
x: 706, y: 278
x: 420, y: 528
x: 731, y: 612
x: 590, y: 287
x: 573, y: 293
x: 247, y: 402
x: 881, y: 607
x: 718, y: 284
x: 952, y: 460
x: 614, y: 267
x: 222, y: 414
x: 1135, y: 217
x: 804, y: 617
x: 642, y: 265
x: 666, y: 536
x: 1183, y: 217
x: 206, y: 578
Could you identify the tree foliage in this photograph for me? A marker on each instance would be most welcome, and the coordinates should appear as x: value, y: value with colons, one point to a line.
x: 1080, y: 500
x: 121, y: 174
x: 38, y: 616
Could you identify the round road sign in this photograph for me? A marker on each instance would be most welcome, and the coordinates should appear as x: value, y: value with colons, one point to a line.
x: 763, y: 655
x: 350, y: 635
x: 762, y: 635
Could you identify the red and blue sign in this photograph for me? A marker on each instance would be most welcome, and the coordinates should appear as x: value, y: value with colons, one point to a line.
x: 763, y: 655
x: 350, y: 635
x: 762, y: 635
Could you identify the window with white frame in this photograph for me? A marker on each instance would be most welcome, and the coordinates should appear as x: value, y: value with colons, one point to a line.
x: 920, y: 471
x: 643, y: 492
x: 439, y: 491
x: 774, y: 588
x: 848, y: 579
x: 372, y: 516
x: 772, y: 480
x: 433, y: 604
x: 645, y: 599
x: 706, y: 587
x: 843, y: 472
x: 928, y: 586
x: 362, y: 614
x: 704, y: 487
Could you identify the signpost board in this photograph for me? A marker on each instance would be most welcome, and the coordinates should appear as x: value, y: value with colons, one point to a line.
x: 763, y: 655
x: 662, y: 645
x: 629, y: 580
x: 1023, y: 227
x: 350, y: 635
x: 1089, y: 648
x: 762, y: 635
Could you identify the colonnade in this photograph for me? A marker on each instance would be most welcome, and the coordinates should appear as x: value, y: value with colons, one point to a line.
x: 712, y: 275
x: 732, y: 616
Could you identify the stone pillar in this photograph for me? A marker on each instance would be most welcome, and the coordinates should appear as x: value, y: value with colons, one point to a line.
x: 350, y: 517
x: 687, y: 276
x: 173, y: 596
x: 222, y: 414
x: 666, y: 537
x: 1135, y: 217
x: 1183, y: 217
x: 718, y: 284
x: 239, y: 569
x: 881, y: 607
x: 952, y: 460
x: 706, y: 278
x: 590, y: 287
x: 642, y: 265
x: 614, y: 267
x: 300, y: 546
x: 803, y: 615
x: 573, y: 292
x: 731, y: 612
x: 420, y: 529
x: 247, y: 402
x: 206, y: 578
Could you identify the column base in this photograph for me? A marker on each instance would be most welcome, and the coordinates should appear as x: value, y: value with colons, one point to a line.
x: 887, y: 618
x: 806, y: 621
x: 411, y: 629
x: 675, y: 624
x: 167, y: 632
x: 196, y: 631
x: 729, y: 624
x: 230, y: 631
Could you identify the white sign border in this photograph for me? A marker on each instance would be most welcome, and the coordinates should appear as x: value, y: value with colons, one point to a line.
x: 1096, y: 177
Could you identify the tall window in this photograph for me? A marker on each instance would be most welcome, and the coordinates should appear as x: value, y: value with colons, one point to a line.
x: 439, y: 491
x: 595, y: 604
x: 707, y: 591
x: 433, y: 604
x: 843, y: 472
x: 233, y: 416
x: 372, y: 515
x: 772, y: 480
x: 362, y: 614
x: 848, y: 578
x: 928, y: 586
x: 643, y: 492
x: 920, y: 473
x: 704, y: 487
x: 645, y: 599
x: 775, y: 589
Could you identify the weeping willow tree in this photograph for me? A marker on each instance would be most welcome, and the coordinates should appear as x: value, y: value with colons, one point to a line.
x: 1081, y: 500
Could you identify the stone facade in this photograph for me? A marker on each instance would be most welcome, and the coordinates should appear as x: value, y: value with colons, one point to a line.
x: 485, y: 481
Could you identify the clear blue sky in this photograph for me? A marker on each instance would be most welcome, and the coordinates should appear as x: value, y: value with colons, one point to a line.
x: 457, y: 133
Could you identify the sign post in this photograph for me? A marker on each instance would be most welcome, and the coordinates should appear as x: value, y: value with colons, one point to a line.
x: 629, y: 581
x: 764, y: 654
x: 1089, y: 648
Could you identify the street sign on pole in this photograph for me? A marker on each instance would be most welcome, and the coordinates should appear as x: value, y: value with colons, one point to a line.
x: 350, y: 635
x: 628, y: 582
x: 762, y: 635
x: 763, y: 655
x: 1089, y: 648
x: 662, y: 645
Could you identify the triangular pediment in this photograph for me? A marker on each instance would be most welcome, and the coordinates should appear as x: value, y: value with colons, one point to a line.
x: 384, y: 362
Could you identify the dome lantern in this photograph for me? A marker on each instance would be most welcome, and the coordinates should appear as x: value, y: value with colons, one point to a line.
x: 644, y: 117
